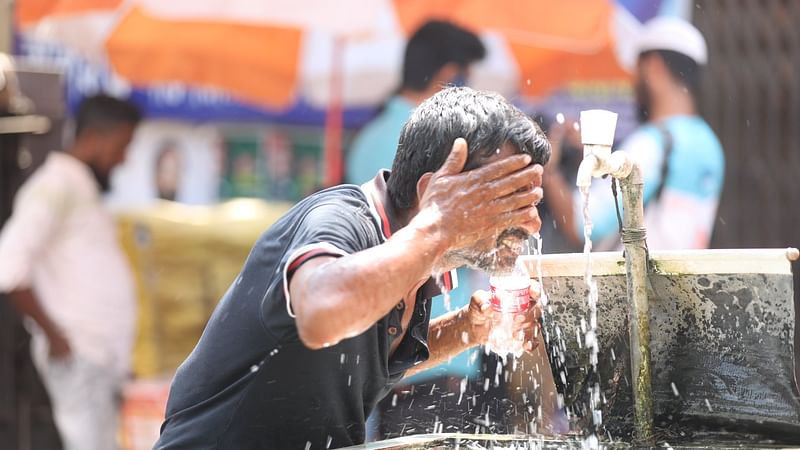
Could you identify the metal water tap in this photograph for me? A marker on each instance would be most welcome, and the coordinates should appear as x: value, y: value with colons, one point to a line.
x: 597, y: 136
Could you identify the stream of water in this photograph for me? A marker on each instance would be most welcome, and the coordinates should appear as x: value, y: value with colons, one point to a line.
x: 590, y: 338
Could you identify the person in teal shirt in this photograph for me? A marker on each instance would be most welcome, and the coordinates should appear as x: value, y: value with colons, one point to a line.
x: 374, y: 147
x: 438, y: 54
x: 681, y: 159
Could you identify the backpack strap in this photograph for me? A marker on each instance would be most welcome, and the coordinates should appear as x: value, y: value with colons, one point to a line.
x: 667, y: 145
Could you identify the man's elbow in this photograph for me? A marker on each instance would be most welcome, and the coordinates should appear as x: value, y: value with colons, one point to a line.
x: 315, y: 331
x: 315, y: 340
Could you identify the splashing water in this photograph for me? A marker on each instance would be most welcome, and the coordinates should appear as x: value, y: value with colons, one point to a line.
x: 462, y: 389
x: 537, y: 251
x: 590, y: 338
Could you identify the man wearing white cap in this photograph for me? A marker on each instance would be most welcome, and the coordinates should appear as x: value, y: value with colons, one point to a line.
x: 680, y: 156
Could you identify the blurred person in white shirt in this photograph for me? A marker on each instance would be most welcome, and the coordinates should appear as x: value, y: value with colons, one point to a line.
x: 63, y: 268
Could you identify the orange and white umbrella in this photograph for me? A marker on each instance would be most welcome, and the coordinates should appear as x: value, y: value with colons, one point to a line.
x: 269, y: 52
x: 272, y: 53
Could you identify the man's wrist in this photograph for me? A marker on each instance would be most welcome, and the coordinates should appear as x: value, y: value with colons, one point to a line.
x: 427, y: 232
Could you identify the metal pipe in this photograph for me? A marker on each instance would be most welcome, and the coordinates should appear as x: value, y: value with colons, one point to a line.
x: 597, y: 136
x: 598, y: 162
x: 633, y: 239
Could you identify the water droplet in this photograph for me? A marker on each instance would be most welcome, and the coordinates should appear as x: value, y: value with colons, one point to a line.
x: 349, y: 379
x: 462, y: 389
x: 528, y: 82
x: 341, y: 359
x: 708, y: 405
x: 560, y: 118
x: 253, y: 368
x: 308, y: 445
x: 328, y: 444
x: 675, y: 389
x: 591, y: 442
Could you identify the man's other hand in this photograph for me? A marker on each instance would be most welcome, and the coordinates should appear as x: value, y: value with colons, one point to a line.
x: 526, y: 325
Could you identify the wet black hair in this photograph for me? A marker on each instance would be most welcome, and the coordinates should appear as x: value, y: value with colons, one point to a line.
x: 435, y: 44
x: 101, y: 112
x: 486, y: 120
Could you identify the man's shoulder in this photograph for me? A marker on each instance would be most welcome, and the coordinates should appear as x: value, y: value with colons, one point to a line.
x: 693, y: 126
x: 386, y: 126
x: 50, y: 180
x: 348, y: 196
x: 646, y: 138
x: 381, y: 133
x: 693, y: 133
x: 333, y: 207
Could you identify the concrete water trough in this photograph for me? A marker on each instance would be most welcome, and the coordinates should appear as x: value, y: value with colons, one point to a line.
x: 722, y: 354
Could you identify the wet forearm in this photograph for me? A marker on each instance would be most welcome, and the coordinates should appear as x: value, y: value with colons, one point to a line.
x: 448, y: 336
x: 359, y: 289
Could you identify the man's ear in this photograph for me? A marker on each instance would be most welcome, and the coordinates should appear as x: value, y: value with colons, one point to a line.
x: 422, y: 184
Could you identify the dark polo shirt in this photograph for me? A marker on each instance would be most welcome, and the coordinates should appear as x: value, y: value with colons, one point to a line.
x: 250, y: 383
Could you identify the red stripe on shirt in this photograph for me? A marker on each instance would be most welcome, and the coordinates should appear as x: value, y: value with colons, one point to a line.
x: 387, y: 230
x: 447, y: 279
x: 306, y: 256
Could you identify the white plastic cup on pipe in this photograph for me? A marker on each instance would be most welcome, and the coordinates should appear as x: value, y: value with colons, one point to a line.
x: 598, y: 127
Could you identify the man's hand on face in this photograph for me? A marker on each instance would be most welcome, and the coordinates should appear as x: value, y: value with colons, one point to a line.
x: 479, y: 312
x: 462, y: 208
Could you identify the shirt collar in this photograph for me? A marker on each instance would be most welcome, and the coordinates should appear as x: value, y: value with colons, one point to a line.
x: 384, y: 213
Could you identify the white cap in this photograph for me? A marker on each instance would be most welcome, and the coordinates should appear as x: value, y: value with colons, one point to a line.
x: 671, y: 33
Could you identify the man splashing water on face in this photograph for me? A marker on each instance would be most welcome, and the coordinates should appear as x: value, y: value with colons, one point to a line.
x: 332, y: 307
